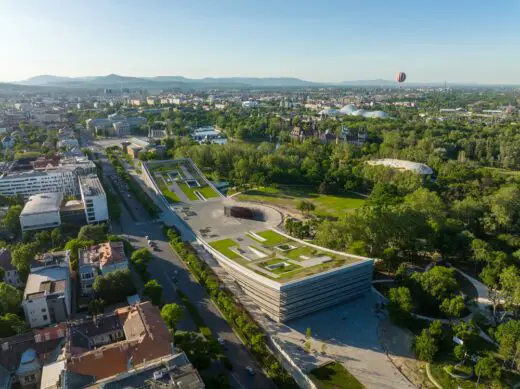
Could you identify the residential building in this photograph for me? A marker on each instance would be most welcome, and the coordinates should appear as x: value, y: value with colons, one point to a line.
x: 116, y: 343
x: 250, y: 104
x: 68, y: 143
x: 41, y: 211
x: 22, y: 356
x: 170, y: 372
x: 47, y: 294
x: 103, y: 258
x: 11, y: 276
x: 94, y: 199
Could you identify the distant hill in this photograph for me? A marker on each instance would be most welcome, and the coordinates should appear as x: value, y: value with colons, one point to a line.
x: 377, y: 82
x: 113, y: 80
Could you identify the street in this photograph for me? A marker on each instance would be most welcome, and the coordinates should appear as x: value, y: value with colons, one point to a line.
x: 163, y: 266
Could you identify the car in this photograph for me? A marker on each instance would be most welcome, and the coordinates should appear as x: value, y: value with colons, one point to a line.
x: 250, y: 371
x: 221, y: 341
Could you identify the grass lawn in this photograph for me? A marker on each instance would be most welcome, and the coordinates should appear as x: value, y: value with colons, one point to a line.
x: 279, y: 270
x: 302, y: 250
x: 189, y: 192
x: 208, y: 192
x: 334, y: 376
x: 289, y: 196
x: 168, y: 194
x: 223, y: 246
x: 271, y: 238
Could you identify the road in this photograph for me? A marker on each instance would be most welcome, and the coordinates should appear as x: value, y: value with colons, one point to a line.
x: 165, y: 262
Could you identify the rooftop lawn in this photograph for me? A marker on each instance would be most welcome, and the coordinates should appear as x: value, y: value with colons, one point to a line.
x: 208, y: 192
x: 167, y: 193
x: 334, y: 376
x: 223, y: 246
x: 289, y: 196
x: 280, y: 270
x: 271, y: 237
x: 189, y: 192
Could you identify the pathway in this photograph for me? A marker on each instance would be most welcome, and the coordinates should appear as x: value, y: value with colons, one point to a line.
x: 482, y: 291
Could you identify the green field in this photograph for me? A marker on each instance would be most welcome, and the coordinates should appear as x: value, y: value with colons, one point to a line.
x: 289, y: 196
x: 334, y: 376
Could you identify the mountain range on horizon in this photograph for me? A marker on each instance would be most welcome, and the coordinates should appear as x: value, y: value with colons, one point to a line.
x: 116, y: 81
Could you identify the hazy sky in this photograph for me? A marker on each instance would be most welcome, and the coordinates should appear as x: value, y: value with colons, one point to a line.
x: 336, y: 40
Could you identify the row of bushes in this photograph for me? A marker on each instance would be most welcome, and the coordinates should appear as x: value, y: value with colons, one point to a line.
x: 250, y: 333
x: 134, y: 187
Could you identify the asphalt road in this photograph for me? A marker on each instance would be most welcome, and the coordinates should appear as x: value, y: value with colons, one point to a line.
x: 162, y: 268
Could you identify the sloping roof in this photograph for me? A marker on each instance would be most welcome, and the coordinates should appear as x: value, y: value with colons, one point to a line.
x: 42, y: 202
x: 51, y: 374
x: 146, y: 338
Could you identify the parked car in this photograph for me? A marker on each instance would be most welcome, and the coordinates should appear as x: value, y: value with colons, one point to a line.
x: 250, y: 370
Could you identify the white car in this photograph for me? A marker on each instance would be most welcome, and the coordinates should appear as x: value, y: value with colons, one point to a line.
x: 250, y: 370
x: 221, y: 341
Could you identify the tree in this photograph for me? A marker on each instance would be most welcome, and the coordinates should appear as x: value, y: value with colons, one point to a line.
x: 12, y: 219
x: 140, y: 259
x: 453, y: 308
x: 426, y: 344
x: 465, y: 330
x: 93, y: 232
x: 438, y: 282
x: 400, y: 304
x: 488, y: 367
x: 96, y: 306
x: 10, y: 298
x: 171, y: 314
x: 11, y: 324
x: 2, y: 273
x: 56, y: 237
x: 508, y: 336
x: 114, y: 287
x: 21, y: 257
x: 154, y: 290
x: 308, y: 333
x: 460, y: 352
x: 510, y: 291
x: 305, y: 206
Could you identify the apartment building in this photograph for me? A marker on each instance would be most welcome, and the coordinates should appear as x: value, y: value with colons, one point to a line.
x: 47, y: 294
x: 102, y: 259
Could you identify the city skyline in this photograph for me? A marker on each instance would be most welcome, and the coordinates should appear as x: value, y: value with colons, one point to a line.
x: 466, y: 42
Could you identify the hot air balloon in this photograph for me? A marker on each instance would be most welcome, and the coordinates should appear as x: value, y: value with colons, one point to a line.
x: 400, y: 77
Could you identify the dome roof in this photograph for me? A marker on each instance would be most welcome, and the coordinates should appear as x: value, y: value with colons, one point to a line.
x: 377, y: 114
x: 348, y: 109
x: 359, y: 112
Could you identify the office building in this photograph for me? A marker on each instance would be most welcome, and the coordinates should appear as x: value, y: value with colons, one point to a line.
x: 94, y: 199
x: 41, y: 211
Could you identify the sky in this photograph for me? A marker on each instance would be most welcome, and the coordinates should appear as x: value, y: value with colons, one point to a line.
x: 325, y: 41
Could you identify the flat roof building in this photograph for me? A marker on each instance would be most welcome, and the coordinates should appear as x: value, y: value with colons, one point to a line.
x: 94, y: 199
x: 41, y: 211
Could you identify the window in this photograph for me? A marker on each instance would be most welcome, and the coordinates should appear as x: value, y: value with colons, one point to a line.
x: 44, y: 317
x: 44, y: 310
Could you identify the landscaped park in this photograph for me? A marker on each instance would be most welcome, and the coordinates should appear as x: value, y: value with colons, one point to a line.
x: 288, y: 197
x: 179, y: 181
x: 277, y: 257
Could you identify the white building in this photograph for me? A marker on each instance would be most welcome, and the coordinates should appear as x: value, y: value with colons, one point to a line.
x: 250, y: 104
x: 41, y: 211
x: 102, y: 258
x: 68, y: 143
x: 121, y: 128
x: 63, y: 179
x: 47, y: 297
x: 94, y: 199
